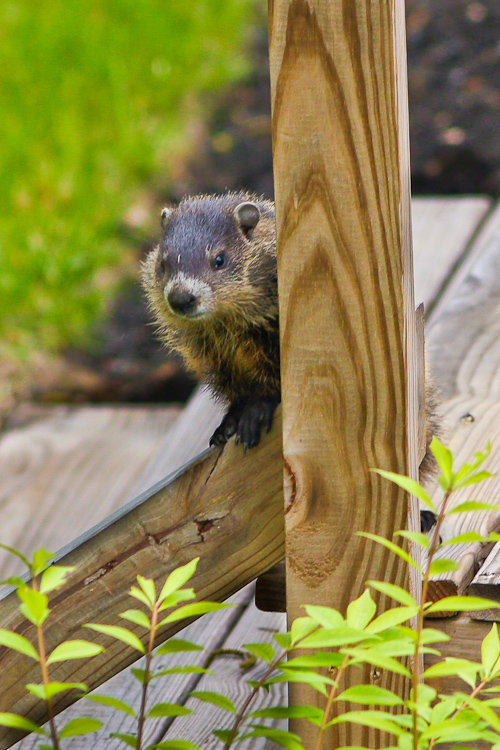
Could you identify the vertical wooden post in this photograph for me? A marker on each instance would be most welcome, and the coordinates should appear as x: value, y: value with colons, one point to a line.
x: 341, y: 165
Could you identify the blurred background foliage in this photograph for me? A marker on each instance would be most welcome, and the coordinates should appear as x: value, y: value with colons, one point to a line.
x: 95, y: 100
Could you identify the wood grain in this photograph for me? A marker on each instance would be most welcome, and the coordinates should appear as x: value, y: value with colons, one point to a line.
x: 464, y: 349
x: 225, y: 508
x: 341, y: 167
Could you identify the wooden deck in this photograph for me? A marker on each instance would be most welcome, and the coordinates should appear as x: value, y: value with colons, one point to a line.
x: 67, y: 470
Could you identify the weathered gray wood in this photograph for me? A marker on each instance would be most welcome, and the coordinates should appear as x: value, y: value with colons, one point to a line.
x: 68, y: 471
x: 442, y: 232
x: 464, y: 349
x: 224, y: 507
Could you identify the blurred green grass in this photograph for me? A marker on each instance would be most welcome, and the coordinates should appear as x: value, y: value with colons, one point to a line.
x: 94, y: 97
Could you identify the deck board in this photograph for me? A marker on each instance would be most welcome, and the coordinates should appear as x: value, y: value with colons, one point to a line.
x: 464, y: 351
x: 443, y: 232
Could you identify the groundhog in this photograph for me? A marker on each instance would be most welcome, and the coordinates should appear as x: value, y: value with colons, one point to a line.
x: 212, y: 286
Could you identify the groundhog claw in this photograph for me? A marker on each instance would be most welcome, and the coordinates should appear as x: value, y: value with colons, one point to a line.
x: 245, y: 420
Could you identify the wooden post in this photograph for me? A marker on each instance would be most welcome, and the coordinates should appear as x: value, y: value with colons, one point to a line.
x: 341, y: 166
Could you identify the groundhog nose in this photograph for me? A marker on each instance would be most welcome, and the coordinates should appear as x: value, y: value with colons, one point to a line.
x: 181, y: 301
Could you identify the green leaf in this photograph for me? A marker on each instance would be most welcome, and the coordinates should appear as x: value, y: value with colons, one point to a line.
x: 140, y: 595
x: 326, y: 616
x: 139, y: 674
x: 474, y: 479
x: 35, y: 607
x: 178, y: 578
x: 121, y: 634
x: 279, y: 736
x: 331, y: 637
x: 301, y: 627
x: 284, y: 640
x: 126, y: 737
x: 168, y: 709
x: 138, y: 617
x: 461, y: 604
x: 370, y: 695
x: 41, y: 558
x: 490, y: 651
x: 54, y: 577
x: 450, y: 666
x: 391, y: 617
x: 262, y: 651
x: 431, y: 635
x: 442, y: 565
x: 414, y: 488
x: 361, y: 611
x: 54, y: 688
x: 108, y: 700
x: 468, y: 536
x: 378, y: 660
x: 193, y: 610
x: 189, y: 669
x: 415, y: 536
x: 472, y: 505
x: 173, y: 599
x: 318, y: 659
x: 175, y: 645
x: 19, y: 722
x: 81, y: 725
x: 18, y: 643
x: 17, y: 553
x: 375, y: 719
x: 484, y: 711
x: 74, y: 650
x: 148, y: 587
x: 313, y: 679
x: 394, y: 592
x: 221, y: 701
x: 393, y: 547
x: 444, y: 459
x: 288, y: 712
x: 173, y: 745
x: 15, y: 581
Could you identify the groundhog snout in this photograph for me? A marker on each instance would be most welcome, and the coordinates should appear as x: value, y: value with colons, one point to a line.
x: 181, y: 301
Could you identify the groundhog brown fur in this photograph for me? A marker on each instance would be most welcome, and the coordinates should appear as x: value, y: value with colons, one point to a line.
x: 212, y: 287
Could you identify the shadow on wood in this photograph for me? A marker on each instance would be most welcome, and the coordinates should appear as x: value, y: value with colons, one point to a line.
x: 223, y: 507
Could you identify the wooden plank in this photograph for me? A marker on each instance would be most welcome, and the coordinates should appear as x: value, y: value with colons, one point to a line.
x: 486, y: 583
x: 224, y: 507
x: 65, y: 473
x: 442, y: 232
x: 341, y: 167
x: 464, y: 349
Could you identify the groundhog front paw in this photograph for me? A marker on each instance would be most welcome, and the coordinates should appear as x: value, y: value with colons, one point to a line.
x: 245, y: 420
x: 254, y: 416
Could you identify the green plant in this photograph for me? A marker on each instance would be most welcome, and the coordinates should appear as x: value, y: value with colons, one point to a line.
x: 34, y: 606
x: 331, y: 647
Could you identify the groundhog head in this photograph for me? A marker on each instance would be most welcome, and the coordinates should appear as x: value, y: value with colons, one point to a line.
x: 216, y: 261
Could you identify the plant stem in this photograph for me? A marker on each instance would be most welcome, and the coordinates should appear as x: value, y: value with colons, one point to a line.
x: 45, y: 679
x: 421, y: 613
x: 147, y: 671
x: 331, y: 697
x: 242, y: 712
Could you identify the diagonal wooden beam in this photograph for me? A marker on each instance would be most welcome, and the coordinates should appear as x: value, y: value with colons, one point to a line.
x: 224, y: 507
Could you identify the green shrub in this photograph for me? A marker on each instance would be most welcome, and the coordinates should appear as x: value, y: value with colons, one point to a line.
x: 95, y: 96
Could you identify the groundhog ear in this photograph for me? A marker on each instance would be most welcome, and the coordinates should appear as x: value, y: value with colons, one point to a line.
x: 165, y: 216
x: 247, y: 216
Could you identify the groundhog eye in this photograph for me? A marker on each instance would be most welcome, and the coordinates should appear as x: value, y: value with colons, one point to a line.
x: 219, y: 260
